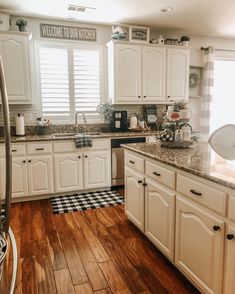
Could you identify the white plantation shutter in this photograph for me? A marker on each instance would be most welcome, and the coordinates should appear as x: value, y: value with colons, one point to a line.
x: 86, y: 80
x: 70, y: 81
x: 54, y: 82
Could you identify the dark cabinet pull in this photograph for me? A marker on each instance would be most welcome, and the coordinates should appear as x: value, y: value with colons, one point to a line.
x: 216, y: 228
x: 39, y: 149
x: 29, y: 160
x: 195, y: 192
x: 139, y: 181
x: 24, y: 161
x: 144, y: 184
x: 131, y: 161
x: 79, y: 157
x: 230, y: 236
x: 138, y: 96
x: 168, y: 96
x: 144, y: 96
x: 14, y: 150
x: 86, y: 156
x: 157, y: 174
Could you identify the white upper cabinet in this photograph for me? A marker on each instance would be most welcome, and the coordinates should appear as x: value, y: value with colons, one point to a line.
x: 177, y: 74
x: 154, y: 74
x: 128, y: 73
x: 14, y: 49
x: 144, y: 74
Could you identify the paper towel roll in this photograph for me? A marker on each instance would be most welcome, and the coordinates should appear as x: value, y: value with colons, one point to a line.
x: 19, y: 120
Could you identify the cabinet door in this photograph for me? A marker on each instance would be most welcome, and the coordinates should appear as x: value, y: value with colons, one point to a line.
x: 177, y: 74
x: 199, y: 246
x: 154, y: 71
x: 97, y: 169
x: 127, y: 73
x: 229, y: 282
x: 134, y: 194
x: 160, y: 216
x: 19, y: 178
x: 40, y: 175
x: 68, y: 172
x: 15, y: 55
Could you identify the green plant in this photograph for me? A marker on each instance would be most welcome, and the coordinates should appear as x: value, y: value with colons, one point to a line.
x: 105, y: 108
x: 179, y: 105
x: 184, y: 38
x: 21, y: 22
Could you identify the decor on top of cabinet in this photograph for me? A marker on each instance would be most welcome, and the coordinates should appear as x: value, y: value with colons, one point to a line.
x: 170, y: 41
x: 4, y: 22
x: 184, y: 40
x: 22, y: 23
x: 119, y: 33
x: 105, y: 109
x: 139, y: 34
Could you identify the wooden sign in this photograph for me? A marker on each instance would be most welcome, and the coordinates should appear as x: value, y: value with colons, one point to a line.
x: 67, y: 32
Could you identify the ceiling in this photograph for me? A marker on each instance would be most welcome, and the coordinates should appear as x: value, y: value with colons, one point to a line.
x: 198, y: 17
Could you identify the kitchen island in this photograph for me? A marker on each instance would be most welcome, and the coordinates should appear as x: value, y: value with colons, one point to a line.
x: 183, y: 200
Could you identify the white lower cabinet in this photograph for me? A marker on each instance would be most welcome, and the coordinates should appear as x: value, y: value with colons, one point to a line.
x: 68, y: 172
x: 40, y: 175
x: 229, y: 270
x: 134, y: 194
x: 199, y: 246
x: 160, y: 216
x: 19, y: 178
x: 96, y: 169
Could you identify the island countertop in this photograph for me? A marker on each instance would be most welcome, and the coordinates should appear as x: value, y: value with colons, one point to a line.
x: 199, y: 160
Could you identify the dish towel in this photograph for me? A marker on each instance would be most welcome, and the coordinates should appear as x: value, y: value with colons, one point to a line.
x: 82, y: 140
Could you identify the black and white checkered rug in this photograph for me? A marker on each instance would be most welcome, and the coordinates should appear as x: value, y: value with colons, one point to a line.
x: 91, y: 200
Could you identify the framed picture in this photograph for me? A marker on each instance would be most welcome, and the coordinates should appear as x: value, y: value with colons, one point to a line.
x: 139, y: 34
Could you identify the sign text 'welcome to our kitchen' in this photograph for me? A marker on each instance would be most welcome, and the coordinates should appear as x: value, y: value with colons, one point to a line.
x: 67, y: 32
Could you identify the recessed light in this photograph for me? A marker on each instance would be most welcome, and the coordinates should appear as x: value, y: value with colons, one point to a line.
x: 167, y: 9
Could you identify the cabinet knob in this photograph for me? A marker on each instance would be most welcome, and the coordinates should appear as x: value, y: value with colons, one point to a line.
x: 131, y: 161
x: 24, y: 161
x: 138, y: 96
x: 29, y: 160
x: 216, y: 228
x: 168, y: 96
x: 139, y: 181
x: 79, y: 157
x: 86, y: 156
x: 230, y: 236
x: 144, y: 184
x: 144, y: 96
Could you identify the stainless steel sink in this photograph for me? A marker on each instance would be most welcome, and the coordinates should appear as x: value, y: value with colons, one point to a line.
x: 71, y: 135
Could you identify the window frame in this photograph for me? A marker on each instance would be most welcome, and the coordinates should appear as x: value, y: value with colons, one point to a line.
x: 70, y: 46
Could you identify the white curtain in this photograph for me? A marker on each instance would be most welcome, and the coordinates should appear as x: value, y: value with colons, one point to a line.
x: 208, y: 82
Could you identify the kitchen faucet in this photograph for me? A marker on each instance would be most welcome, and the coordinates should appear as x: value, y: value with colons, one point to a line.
x: 84, y: 120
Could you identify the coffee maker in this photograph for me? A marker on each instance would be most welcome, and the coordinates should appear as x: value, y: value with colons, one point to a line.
x: 119, y: 122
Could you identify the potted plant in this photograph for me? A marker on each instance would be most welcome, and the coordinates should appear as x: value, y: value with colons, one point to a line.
x: 105, y: 109
x: 184, y: 41
x: 21, y: 23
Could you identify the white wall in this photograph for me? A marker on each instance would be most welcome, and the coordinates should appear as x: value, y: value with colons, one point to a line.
x: 103, y: 36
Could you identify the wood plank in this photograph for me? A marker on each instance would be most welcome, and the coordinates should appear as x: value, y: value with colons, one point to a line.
x: 104, y: 291
x: 129, y: 274
x: 83, y: 289
x: 93, y: 241
x: 63, y: 282
x: 113, y: 278
x: 93, y: 271
x: 55, y: 250
x: 29, y: 279
x: 75, y: 265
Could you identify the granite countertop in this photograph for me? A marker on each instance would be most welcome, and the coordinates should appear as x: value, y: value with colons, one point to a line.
x: 199, y: 160
x: 32, y: 138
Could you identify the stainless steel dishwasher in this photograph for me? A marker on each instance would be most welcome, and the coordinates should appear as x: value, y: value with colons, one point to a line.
x: 118, y: 158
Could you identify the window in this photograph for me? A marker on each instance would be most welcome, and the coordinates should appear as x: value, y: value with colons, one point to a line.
x: 70, y: 81
x: 222, y: 111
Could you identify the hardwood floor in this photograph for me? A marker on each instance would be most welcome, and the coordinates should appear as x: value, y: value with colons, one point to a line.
x: 97, y: 251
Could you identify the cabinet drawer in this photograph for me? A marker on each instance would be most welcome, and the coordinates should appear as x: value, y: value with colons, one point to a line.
x: 203, y: 194
x: 65, y: 147
x: 134, y: 161
x: 17, y: 150
x: 160, y: 174
x: 39, y: 148
x: 231, y: 207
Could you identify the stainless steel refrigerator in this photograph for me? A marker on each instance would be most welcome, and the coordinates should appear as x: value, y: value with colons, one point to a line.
x: 6, y: 234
